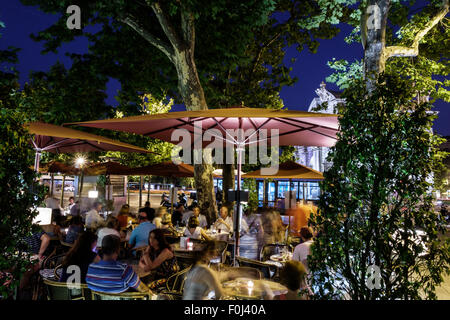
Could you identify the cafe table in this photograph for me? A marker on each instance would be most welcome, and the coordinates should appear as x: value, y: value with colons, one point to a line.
x: 251, y: 289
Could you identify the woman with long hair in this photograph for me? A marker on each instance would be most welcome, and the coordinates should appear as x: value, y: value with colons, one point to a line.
x: 82, y: 255
x: 158, y: 258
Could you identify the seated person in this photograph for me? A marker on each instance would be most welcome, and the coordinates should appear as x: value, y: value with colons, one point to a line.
x: 75, y: 228
x: 302, y: 250
x: 158, y: 258
x: 166, y: 225
x: 224, y: 222
x: 293, y: 275
x: 82, y: 254
x: 123, y: 216
x: 158, y: 216
x: 149, y: 211
x: 203, y: 223
x: 93, y: 218
x: 139, y: 236
x: 186, y: 215
x: 194, y: 231
x: 112, y: 227
x: 177, y: 215
x: 111, y: 276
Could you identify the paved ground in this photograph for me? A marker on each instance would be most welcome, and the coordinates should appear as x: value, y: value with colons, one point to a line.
x: 443, y: 292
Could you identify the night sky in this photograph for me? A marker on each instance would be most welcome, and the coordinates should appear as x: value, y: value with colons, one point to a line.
x: 311, y: 69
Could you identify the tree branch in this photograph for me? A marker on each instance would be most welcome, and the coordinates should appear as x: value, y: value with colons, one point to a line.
x: 158, y: 43
x: 413, y: 50
x: 167, y: 27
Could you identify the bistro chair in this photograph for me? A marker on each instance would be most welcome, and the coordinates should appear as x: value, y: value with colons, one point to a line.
x: 139, y: 251
x: 57, y: 272
x: 175, y: 285
x: 267, y: 270
x: 96, y: 295
x: 61, y: 291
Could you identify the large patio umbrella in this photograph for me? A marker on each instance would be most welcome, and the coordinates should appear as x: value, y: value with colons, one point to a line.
x: 292, y: 128
x: 53, y: 138
x: 106, y: 168
x: 288, y: 170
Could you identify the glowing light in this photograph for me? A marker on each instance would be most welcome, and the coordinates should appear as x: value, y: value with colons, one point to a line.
x: 93, y: 194
x: 80, y: 161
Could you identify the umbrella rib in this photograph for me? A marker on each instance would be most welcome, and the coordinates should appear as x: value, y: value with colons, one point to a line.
x: 303, y: 122
x: 168, y: 128
x: 226, y: 132
x: 257, y: 129
x: 51, y: 146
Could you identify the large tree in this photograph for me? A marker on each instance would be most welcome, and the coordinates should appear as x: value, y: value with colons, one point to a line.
x: 168, y: 33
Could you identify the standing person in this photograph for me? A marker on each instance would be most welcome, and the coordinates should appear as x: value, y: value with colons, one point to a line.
x: 158, y: 258
x: 82, y: 255
x: 71, y: 203
x: 303, y: 250
x: 149, y: 211
x: 52, y: 202
x: 194, y: 231
x: 139, y: 236
x: 110, y: 276
x: 272, y: 226
x: 93, y: 218
x: 75, y: 209
x: 177, y: 215
x: 201, y: 280
x: 75, y: 228
x: 112, y: 227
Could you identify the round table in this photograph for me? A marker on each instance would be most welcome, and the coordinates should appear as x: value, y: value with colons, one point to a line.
x: 251, y: 289
x: 281, y: 257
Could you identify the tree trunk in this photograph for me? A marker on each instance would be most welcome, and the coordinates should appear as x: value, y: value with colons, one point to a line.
x: 228, y: 181
x: 374, y: 41
x: 193, y: 96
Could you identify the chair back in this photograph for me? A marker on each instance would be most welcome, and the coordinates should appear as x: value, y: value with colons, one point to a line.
x: 175, y: 283
x: 61, y: 291
x: 52, y: 261
x: 246, y: 272
x: 58, y: 271
x: 267, y: 270
x: 96, y: 295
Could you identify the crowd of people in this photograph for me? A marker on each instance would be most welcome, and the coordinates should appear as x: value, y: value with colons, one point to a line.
x: 98, y: 243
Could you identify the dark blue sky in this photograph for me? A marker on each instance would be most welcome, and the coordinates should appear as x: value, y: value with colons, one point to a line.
x: 311, y: 69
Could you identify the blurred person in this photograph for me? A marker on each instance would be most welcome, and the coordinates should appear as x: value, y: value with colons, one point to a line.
x: 193, y: 230
x: 112, y: 227
x: 148, y: 210
x: 177, y: 216
x: 293, y: 276
x: 51, y: 202
x: 272, y: 226
x: 158, y: 258
x: 110, y: 276
x: 187, y: 214
x: 167, y: 226
x: 158, y: 216
x: 75, y: 228
x: 201, y: 280
x: 123, y: 216
x: 303, y: 249
x: 75, y: 209
x: 139, y: 236
x: 93, y: 218
x: 82, y: 254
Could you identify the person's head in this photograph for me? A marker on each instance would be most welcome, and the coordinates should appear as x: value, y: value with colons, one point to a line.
x: 306, y: 233
x: 292, y: 275
x: 180, y: 207
x: 147, y: 204
x: 142, y: 217
x: 125, y: 210
x: 71, y: 200
x: 224, y: 212
x: 76, y: 221
x: 83, y: 246
x: 110, y: 246
x: 97, y: 206
x: 166, y: 219
x: 157, y: 240
x: 112, y: 222
x: 196, y: 211
x: 161, y: 211
x: 193, y: 222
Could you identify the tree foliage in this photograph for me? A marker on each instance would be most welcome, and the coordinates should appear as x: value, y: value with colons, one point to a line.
x: 376, y: 197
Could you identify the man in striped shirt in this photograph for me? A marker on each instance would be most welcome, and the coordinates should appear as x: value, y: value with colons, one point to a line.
x: 109, y: 275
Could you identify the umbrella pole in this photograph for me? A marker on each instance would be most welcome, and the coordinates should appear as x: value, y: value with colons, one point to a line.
x: 140, y: 191
x: 148, y: 190
x: 37, y: 159
x: 81, y: 184
x: 62, y: 191
x: 237, y: 219
x: 52, y: 183
x: 128, y: 191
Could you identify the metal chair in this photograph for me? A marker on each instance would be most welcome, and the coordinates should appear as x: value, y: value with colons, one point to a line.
x: 96, y: 295
x: 267, y: 270
x: 62, y: 291
x: 175, y: 285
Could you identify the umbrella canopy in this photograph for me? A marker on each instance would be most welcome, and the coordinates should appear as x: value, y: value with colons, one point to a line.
x: 295, y: 127
x: 59, y: 167
x: 164, y: 169
x: 106, y: 168
x: 52, y: 138
x: 288, y: 170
